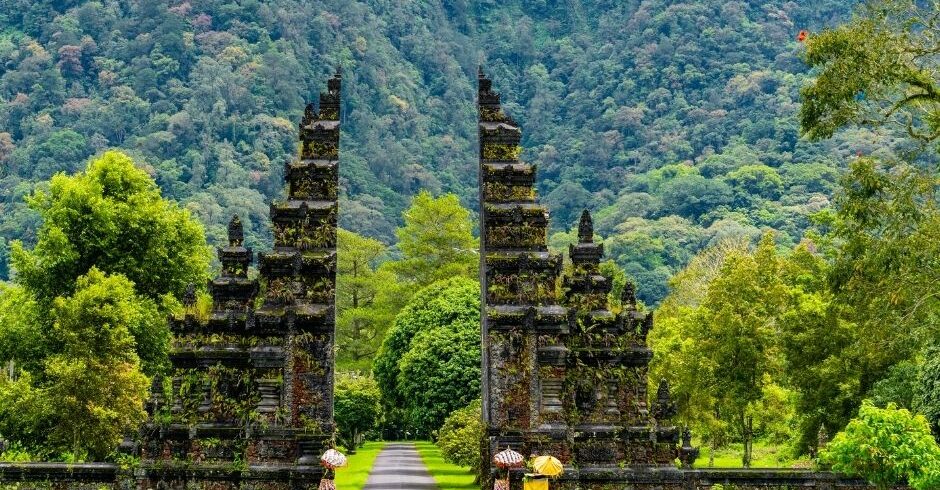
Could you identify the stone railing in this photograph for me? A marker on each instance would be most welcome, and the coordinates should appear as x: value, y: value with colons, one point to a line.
x: 64, y: 476
x: 98, y: 476
x: 704, y: 479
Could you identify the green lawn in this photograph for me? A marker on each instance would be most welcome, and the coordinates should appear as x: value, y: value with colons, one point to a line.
x: 353, y: 477
x: 765, y: 456
x: 447, y: 476
x: 453, y: 477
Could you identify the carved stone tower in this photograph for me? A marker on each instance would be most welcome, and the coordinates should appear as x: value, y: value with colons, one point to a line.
x: 565, y: 379
x: 524, y: 329
x: 249, y: 403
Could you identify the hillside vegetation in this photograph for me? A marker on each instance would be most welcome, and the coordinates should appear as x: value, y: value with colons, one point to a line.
x: 674, y: 121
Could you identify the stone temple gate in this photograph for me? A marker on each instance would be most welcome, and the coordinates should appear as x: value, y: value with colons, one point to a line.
x: 561, y: 375
x: 248, y: 403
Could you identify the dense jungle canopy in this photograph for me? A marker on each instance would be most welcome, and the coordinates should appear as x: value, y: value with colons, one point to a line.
x: 675, y: 122
x: 774, y: 198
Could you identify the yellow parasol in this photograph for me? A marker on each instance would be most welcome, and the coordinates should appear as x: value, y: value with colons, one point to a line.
x: 548, y: 466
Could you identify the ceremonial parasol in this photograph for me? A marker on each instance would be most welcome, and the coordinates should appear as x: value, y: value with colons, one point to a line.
x: 548, y: 466
x: 508, y: 459
x: 333, y: 459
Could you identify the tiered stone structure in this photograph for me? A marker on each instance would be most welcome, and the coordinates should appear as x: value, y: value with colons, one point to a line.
x: 524, y: 329
x: 250, y: 400
x: 612, y: 422
x: 248, y: 404
x: 562, y: 379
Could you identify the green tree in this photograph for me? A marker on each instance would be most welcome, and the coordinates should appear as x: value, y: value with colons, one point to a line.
x: 886, y: 223
x: 357, y: 408
x: 444, y: 310
x: 111, y: 217
x: 876, y: 69
x: 368, y: 296
x: 756, y: 180
x: 718, y: 345
x: 692, y: 195
x: 461, y: 436
x: 436, y: 241
x: 440, y: 373
x: 90, y: 391
x: 886, y: 446
x: 818, y: 348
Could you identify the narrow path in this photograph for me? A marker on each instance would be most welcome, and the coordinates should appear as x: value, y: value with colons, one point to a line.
x: 399, y: 467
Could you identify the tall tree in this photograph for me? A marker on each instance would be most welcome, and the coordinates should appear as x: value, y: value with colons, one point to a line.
x: 85, y: 318
x: 90, y: 390
x: 436, y: 241
x: 429, y: 364
x: 878, y: 70
x: 358, y: 409
x: 368, y: 296
x: 111, y: 217
x: 720, y: 347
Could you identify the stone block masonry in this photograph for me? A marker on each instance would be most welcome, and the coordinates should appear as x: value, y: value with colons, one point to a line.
x: 249, y: 400
x: 562, y: 374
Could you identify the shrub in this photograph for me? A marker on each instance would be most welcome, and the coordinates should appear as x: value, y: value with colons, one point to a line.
x: 459, y: 439
x: 886, y: 446
x: 357, y: 408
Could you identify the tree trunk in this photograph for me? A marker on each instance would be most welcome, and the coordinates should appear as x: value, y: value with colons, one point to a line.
x: 748, y: 432
x: 713, y: 444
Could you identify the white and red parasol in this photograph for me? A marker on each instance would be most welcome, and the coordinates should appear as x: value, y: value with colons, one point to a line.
x: 508, y: 459
x: 333, y: 459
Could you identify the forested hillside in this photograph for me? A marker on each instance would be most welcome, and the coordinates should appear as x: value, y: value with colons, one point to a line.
x: 674, y: 121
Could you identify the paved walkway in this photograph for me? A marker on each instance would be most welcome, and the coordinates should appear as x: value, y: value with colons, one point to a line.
x: 399, y: 467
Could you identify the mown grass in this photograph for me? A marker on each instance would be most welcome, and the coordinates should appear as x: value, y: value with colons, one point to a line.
x: 764, y: 456
x: 354, y: 476
x: 448, y: 476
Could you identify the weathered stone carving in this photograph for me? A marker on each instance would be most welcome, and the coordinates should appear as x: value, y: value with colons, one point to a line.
x: 574, y: 384
x: 252, y: 387
x: 249, y: 402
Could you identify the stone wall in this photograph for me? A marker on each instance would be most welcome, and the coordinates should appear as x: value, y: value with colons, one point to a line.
x: 97, y: 476
x: 683, y: 479
x: 62, y: 476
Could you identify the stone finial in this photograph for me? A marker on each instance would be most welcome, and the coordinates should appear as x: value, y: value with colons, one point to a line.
x: 646, y: 326
x: 662, y: 392
x: 236, y: 233
x: 586, y: 228
x: 480, y: 73
x: 333, y: 85
x: 664, y: 408
x: 189, y: 297
x: 310, y: 115
x: 687, y: 453
x: 628, y: 297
